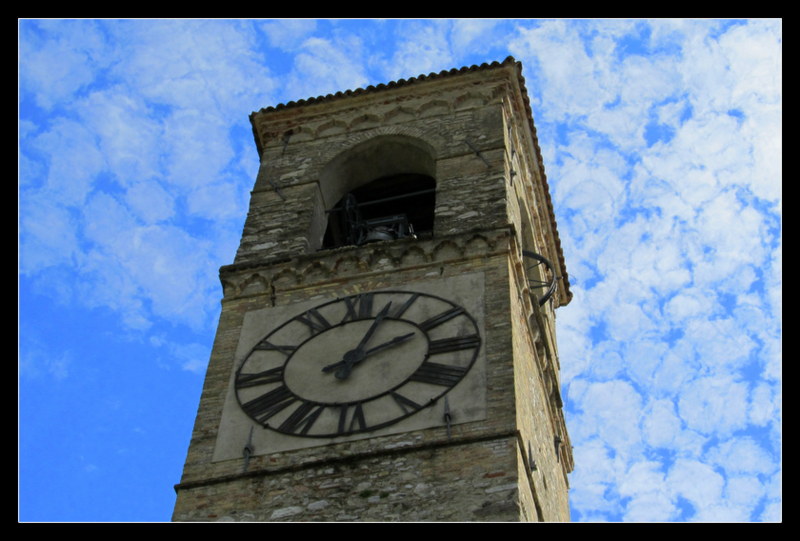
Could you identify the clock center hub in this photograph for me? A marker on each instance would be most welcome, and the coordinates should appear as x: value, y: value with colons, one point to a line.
x: 335, y: 368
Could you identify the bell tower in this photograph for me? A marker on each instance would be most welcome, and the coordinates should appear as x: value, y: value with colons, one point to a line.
x: 386, y: 349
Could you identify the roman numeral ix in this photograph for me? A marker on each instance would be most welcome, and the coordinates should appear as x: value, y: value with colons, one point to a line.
x: 265, y: 345
x: 254, y: 379
x: 268, y: 404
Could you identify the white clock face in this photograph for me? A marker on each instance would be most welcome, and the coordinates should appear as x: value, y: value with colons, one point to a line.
x: 284, y: 392
x: 357, y: 364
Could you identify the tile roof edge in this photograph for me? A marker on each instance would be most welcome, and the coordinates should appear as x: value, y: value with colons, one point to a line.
x: 385, y: 86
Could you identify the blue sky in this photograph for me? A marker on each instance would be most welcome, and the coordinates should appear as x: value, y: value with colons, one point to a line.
x: 662, y: 141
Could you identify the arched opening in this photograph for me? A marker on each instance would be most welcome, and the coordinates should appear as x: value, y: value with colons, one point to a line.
x: 384, y: 189
x: 388, y: 208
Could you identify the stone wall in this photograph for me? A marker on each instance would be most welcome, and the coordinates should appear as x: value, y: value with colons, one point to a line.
x: 436, y: 483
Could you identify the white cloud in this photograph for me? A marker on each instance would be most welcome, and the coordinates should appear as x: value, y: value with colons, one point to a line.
x: 468, y: 35
x: 742, y: 456
x: 678, y: 367
x: 690, y: 303
x: 661, y: 425
x: 324, y: 66
x: 592, y: 481
x: 423, y: 48
x: 649, y: 507
x: 610, y: 410
x: 722, y: 345
x: 773, y: 509
x: 143, y: 271
x: 48, y: 234
x: 37, y: 361
x: 205, y: 65
x: 765, y: 402
x: 650, y: 500
x: 107, y: 223
x: 606, y: 362
x: 198, y: 148
x: 216, y: 201
x: 167, y: 263
x: 192, y: 357
x: 127, y: 134
x: 159, y: 126
x: 287, y: 34
x: 714, y: 405
x: 573, y: 82
x: 696, y: 482
x: 59, y: 60
x: 150, y: 201
x: 745, y: 492
x: 73, y: 160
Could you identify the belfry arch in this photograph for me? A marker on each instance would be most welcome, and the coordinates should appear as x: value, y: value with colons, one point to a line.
x: 381, y: 189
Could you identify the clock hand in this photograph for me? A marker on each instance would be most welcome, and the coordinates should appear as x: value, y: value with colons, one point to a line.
x: 391, y: 343
x: 378, y: 319
x: 355, y: 359
x: 354, y: 356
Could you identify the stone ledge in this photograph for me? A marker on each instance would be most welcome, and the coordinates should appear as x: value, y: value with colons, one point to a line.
x: 284, y: 274
x: 329, y: 462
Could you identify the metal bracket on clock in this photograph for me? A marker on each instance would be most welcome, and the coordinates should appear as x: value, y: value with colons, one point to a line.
x: 447, y: 416
x: 248, y: 450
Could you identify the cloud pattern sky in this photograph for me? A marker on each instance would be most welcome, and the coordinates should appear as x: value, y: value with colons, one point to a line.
x: 662, y: 141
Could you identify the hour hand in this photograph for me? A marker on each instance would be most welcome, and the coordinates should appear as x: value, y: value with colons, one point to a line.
x: 391, y: 343
x: 350, y: 360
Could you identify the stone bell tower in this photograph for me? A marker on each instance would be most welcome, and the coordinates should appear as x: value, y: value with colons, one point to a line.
x: 386, y: 349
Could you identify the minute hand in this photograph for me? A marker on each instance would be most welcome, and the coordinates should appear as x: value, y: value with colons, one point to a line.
x: 378, y: 319
x: 391, y: 343
x: 386, y: 345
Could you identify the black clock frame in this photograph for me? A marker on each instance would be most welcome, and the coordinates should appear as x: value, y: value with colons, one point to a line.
x: 358, y: 308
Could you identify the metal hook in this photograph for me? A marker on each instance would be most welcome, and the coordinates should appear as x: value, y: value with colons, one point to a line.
x: 248, y: 450
x: 447, y: 416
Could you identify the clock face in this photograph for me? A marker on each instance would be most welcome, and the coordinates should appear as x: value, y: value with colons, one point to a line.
x: 357, y: 364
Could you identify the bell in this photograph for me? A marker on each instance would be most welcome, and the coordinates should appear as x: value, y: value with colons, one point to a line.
x: 378, y: 234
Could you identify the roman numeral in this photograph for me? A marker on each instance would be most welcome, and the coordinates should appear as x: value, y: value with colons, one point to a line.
x: 358, y: 307
x: 273, y: 375
x: 435, y: 321
x: 438, y: 374
x: 405, y: 306
x: 265, y: 345
x: 302, y: 418
x: 268, y: 404
x: 446, y: 345
x: 315, y: 321
x: 406, y: 404
x: 356, y: 421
